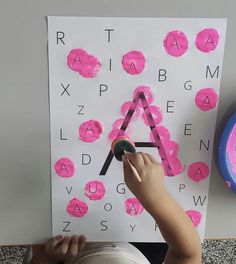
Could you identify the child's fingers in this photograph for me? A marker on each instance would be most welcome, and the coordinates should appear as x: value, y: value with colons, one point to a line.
x: 150, y: 157
x: 126, y: 166
x: 73, y: 248
x: 82, y: 240
x: 62, y: 250
x: 128, y: 173
x: 53, y: 242
x: 136, y: 159
x: 145, y: 158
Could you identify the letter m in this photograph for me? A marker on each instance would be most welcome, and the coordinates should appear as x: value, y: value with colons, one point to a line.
x: 209, y: 72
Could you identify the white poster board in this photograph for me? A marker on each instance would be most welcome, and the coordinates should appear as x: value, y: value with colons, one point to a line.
x: 153, y: 80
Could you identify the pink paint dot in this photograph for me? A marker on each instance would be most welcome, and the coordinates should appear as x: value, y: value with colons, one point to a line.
x: 133, y: 62
x: 206, y: 99
x: 207, y: 40
x: 168, y: 151
x: 156, y: 115
x: 163, y: 133
x: 90, y: 131
x: 64, y: 167
x: 173, y: 147
x: 85, y: 64
x: 77, y: 208
x: 175, y: 164
x: 175, y: 43
x: 195, y: 217
x: 116, y: 133
x: 94, y: 190
x: 133, y: 206
x: 161, y: 137
x: 198, y: 171
x: 129, y: 105
x: 147, y: 93
x: 118, y: 124
x: 231, y: 149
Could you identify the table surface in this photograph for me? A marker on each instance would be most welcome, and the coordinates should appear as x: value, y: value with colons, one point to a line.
x: 25, y: 203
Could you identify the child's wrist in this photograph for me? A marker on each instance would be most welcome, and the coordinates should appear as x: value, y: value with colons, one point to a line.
x: 153, y: 202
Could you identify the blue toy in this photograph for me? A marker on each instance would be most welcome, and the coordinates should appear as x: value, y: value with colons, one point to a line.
x: 227, y: 153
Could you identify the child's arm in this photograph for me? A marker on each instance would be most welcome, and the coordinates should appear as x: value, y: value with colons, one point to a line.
x: 59, y: 249
x: 175, y: 226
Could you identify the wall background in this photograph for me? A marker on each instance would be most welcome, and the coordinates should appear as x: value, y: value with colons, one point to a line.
x: 25, y: 213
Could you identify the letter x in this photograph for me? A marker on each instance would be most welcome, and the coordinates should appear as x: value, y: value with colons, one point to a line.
x: 65, y: 89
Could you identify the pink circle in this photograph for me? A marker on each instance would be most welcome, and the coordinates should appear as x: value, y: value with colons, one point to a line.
x: 94, y: 190
x: 64, y: 167
x: 77, y: 208
x: 163, y: 133
x: 175, y: 43
x: 206, y: 99
x: 147, y: 93
x: 171, y: 147
x: 207, y: 40
x: 168, y: 151
x: 133, y: 62
x: 116, y: 133
x: 118, y: 123
x: 174, y: 166
x: 156, y: 115
x: 90, y: 131
x: 133, y: 206
x: 198, y: 171
x: 85, y: 64
x: 231, y: 150
x: 195, y: 217
x: 128, y: 106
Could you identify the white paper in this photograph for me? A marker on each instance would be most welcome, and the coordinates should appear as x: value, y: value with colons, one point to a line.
x: 174, y: 81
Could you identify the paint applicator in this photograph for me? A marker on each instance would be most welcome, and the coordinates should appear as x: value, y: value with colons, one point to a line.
x: 119, y: 147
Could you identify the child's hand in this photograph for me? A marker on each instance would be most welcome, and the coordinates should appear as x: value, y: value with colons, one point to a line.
x: 62, y: 248
x: 59, y: 249
x: 175, y: 226
x: 151, y: 173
